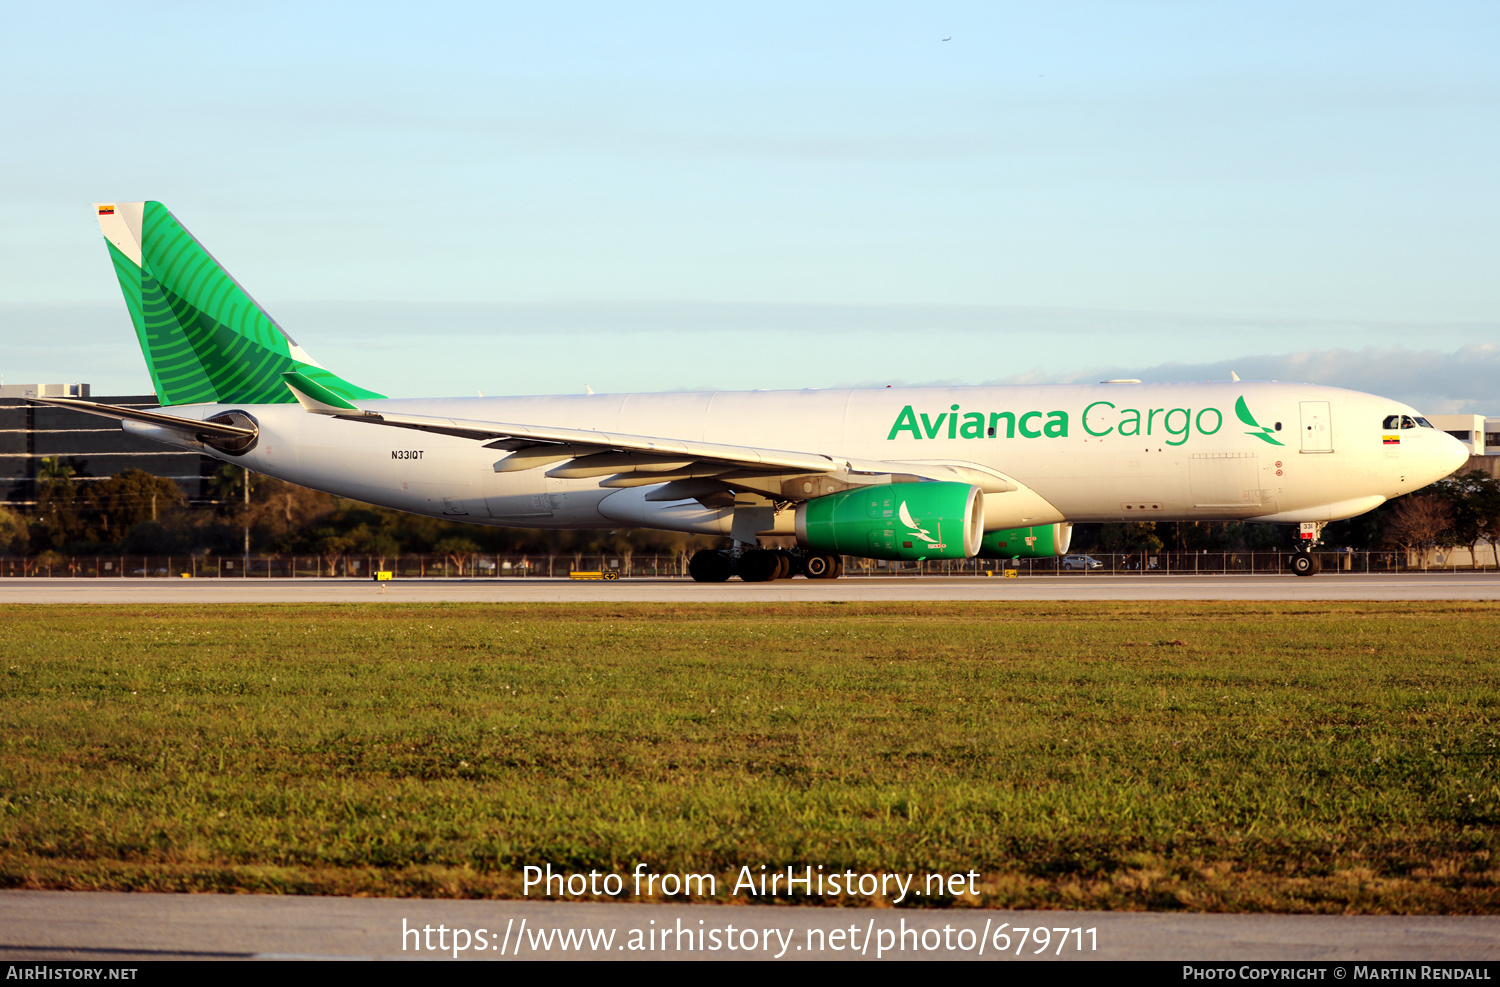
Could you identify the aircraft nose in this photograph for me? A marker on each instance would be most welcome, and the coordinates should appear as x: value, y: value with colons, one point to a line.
x: 1453, y: 454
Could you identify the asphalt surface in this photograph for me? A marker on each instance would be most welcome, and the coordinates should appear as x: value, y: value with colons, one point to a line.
x: 1326, y: 586
x: 99, y: 927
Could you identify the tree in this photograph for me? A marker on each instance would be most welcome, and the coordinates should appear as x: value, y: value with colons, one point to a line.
x: 1474, y: 499
x: 458, y: 550
x: 619, y: 543
x: 1489, y: 530
x: 1136, y: 536
x: 175, y: 536
x: 332, y: 545
x: 380, y: 542
x: 1418, y: 522
x: 227, y: 483
x: 54, y: 476
x: 232, y: 485
x: 130, y: 497
x: 57, y: 515
x: 13, y: 534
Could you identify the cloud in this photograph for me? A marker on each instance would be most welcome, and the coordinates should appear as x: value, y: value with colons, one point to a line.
x: 407, y: 347
x: 1461, y: 382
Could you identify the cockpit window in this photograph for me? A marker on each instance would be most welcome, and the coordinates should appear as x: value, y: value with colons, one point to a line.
x: 1408, y: 422
x: 1425, y: 423
x: 1391, y: 421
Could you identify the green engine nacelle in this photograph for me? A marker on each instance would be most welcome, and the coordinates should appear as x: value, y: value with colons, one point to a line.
x: 903, y: 521
x: 1038, y: 542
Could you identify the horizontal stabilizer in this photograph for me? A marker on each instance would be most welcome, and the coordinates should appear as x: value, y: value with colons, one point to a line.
x: 314, y: 396
x: 193, y: 425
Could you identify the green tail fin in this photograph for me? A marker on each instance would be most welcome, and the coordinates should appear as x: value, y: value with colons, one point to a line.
x: 205, y: 340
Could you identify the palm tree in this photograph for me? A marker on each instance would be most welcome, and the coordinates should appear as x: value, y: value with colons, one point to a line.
x: 53, y: 476
x: 230, y: 482
x: 54, y: 485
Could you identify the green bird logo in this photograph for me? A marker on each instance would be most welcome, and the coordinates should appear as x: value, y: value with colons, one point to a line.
x: 1244, y: 415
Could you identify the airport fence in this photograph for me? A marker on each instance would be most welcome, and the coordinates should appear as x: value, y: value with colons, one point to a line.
x: 675, y: 566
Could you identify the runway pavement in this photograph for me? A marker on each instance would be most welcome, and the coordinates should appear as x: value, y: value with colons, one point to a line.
x: 100, y: 927
x: 1327, y: 586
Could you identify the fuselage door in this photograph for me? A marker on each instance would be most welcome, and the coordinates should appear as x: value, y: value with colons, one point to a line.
x: 1317, y: 427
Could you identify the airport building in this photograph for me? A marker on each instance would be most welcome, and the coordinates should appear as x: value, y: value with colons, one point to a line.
x: 96, y: 448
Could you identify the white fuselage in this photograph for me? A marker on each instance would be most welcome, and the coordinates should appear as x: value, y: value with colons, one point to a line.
x: 1078, y: 453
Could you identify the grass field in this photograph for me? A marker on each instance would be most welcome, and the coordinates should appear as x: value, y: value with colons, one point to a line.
x: 1288, y: 757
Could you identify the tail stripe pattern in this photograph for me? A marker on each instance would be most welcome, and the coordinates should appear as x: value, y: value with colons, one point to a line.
x: 205, y: 339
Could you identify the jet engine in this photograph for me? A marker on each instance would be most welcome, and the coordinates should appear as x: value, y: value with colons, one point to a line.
x: 901, y: 521
x: 1038, y: 542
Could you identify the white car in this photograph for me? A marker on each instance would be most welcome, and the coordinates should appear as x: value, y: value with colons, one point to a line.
x: 1081, y: 562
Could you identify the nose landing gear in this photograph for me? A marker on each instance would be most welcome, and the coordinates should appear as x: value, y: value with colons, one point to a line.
x: 1305, y: 564
x: 1303, y: 561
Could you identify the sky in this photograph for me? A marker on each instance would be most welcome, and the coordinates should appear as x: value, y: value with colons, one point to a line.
x: 526, y: 198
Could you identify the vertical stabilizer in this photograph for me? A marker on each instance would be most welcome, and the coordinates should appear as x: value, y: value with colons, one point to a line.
x: 204, y: 338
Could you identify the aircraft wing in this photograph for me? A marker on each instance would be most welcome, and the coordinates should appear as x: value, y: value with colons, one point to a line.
x: 633, y: 460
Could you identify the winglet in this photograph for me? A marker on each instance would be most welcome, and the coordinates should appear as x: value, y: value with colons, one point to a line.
x: 314, y: 397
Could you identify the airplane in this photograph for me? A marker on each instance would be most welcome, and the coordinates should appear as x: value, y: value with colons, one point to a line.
x: 900, y: 474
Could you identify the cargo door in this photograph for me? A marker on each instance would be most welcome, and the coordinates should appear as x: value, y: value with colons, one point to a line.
x: 1317, y: 427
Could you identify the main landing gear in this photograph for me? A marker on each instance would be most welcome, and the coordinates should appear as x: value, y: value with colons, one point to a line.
x: 761, y: 565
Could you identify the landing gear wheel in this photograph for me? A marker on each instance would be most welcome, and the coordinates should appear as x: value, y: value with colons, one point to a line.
x: 710, y: 566
x: 1305, y: 564
x: 759, y: 566
x: 822, y: 566
x: 784, y: 565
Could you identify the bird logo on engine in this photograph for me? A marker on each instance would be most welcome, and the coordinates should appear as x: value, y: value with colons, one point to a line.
x: 917, y: 530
